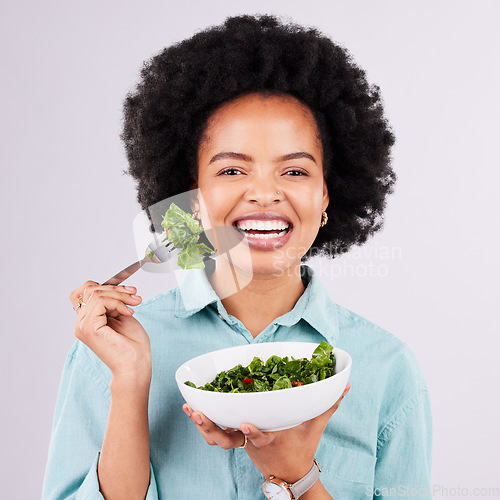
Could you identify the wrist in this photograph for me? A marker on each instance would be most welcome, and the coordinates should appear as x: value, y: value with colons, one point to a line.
x: 290, y: 473
x: 307, y: 486
x: 316, y: 492
x: 121, y: 385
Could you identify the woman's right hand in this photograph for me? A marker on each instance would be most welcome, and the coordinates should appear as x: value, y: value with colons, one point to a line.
x: 107, y: 326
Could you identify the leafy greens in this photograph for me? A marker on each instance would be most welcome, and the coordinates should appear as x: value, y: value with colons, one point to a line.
x: 183, y: 231
x: 276, y: 373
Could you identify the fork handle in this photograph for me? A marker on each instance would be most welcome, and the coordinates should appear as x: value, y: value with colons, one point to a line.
x: 127, y: 272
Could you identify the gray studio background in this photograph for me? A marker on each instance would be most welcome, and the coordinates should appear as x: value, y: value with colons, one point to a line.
x: 430, y: 277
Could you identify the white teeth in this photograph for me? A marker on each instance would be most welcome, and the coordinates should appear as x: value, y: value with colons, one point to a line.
x: 261, y: 225
x: 269, y: 224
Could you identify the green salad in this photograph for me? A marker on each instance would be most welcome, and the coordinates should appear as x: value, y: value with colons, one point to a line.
x: 183, y: 231
x: 276, y: 373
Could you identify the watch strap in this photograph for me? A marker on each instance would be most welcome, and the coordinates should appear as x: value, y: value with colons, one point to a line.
x: 302, y: 485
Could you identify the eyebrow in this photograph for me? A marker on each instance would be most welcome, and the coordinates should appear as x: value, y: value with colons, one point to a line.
x: 240, y: 156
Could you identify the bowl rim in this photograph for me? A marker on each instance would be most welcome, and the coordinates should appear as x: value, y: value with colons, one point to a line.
x: 261, y: 393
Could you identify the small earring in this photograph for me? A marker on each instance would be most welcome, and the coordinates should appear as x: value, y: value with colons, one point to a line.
x: 324, y: 218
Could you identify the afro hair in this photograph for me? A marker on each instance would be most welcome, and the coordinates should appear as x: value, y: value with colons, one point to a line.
x: 166, y: 114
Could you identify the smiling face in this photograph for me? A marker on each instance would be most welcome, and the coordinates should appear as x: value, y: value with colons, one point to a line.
x: 261, y: 158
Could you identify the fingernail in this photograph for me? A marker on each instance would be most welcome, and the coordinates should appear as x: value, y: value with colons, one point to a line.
x: 135, y: 297
x: 245, y: 430
x: 130, y: 288
x: 187, y: 411
x: 198, y: 419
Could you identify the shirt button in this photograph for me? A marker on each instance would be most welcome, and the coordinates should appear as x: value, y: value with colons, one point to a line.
x: 220, y: 316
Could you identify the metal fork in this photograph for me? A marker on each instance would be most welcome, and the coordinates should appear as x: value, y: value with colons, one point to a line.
x: 161, y: 254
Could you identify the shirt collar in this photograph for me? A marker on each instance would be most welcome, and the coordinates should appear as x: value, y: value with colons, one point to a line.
x: 314, y: 306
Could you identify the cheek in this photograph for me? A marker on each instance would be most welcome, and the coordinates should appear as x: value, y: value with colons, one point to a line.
x: 218, y: 201
x: 308, y: 205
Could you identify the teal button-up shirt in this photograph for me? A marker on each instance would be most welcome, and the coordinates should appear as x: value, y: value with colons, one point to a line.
x: 377, y: 444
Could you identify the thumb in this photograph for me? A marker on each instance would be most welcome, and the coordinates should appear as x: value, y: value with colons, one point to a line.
x: 324, y: 417
x: 258, y: 438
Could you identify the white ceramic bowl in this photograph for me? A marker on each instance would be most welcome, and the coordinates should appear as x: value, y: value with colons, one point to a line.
x: 268, y: 411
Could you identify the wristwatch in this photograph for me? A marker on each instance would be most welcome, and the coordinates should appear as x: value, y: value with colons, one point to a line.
x: 277, y: 489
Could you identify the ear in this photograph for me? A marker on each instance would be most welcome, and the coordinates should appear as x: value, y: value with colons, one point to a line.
x: 195, y: 205
x: 326, y: 198
x: 193, y: 184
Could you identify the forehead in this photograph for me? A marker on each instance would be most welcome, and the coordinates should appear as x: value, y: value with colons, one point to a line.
x: 271, y: 112
x: 258, y: 102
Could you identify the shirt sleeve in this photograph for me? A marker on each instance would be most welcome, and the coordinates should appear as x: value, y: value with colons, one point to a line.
x: 404, y: 455
x: 78, y: 428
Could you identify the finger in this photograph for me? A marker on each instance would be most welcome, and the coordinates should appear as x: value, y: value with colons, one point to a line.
x: 91, y: 285
x: 126, y: 297
x: 73, y: 296
x: 213, y: 434
x: 189, y: 412
x: 93, y: 319
x: 258, y: 438
x: 346, y: 390
x: 104, y: 306
x: 118, y: 292
x: 335, y: 407
x: 118, y: 297
x: 80, y: 292
x: 324, y: 417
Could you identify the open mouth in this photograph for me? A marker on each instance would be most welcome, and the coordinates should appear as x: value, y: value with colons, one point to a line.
x: 263, y: 229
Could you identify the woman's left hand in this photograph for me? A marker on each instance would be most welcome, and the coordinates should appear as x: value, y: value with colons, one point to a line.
x: 286, y: 454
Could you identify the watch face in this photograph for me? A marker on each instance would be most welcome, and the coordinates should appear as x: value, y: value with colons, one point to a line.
x: 274, y: 492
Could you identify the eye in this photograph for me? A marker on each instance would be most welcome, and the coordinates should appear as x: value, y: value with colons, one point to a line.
x: 230, y: 171
x: 296, y: 172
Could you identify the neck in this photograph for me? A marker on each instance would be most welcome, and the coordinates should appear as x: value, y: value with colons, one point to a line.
x: 256, y: 299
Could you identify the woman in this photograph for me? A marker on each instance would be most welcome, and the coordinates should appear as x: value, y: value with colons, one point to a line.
x: 259, y: 120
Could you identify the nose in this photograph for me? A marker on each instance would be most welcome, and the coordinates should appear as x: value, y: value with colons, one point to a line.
x: 263, y: 191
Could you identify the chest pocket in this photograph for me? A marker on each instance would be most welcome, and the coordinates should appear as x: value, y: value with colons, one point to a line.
x: 346, y: 473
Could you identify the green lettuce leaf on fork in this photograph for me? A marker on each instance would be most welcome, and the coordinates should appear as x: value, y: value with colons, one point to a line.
x: 183, y: 231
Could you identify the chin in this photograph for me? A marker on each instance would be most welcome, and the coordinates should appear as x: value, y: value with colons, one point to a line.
x: 267, y: 265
